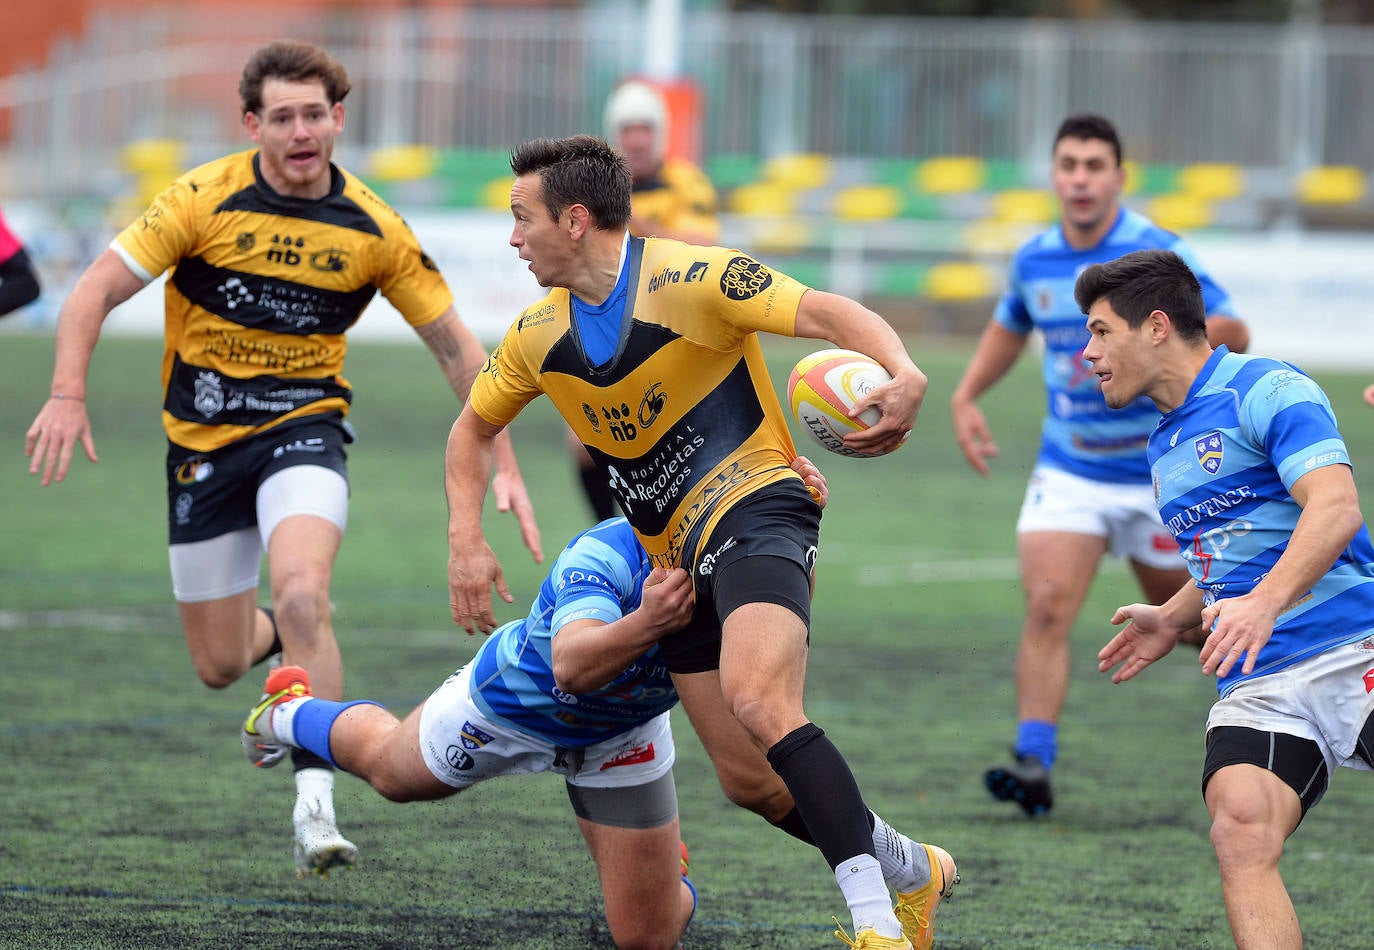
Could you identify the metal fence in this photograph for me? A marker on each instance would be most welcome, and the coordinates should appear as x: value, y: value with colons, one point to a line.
x: 1282, y: 98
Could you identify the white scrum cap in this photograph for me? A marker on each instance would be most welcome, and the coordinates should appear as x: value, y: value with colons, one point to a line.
x: 634, y: 101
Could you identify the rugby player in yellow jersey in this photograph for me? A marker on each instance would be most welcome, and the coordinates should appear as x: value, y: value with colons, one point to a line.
x: 649, y: 349
x: 273, y: 253
x: 669, y: 198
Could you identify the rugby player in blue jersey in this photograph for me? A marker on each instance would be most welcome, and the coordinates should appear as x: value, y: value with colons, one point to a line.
x: 1254, y: 483
x: 1089, y: 492
x: 577, y: 687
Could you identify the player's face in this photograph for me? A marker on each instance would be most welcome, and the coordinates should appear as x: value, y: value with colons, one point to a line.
x: 539, y: 238
x: 296, y: 129
x: 1088, y: 181
x: 637, y: 143
x: 1122, y: 358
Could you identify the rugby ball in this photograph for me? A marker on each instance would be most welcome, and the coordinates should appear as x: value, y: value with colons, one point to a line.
x: 822, y: 391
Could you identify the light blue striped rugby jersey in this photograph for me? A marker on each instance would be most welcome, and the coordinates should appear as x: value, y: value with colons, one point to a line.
x: 599, y: 575
x: 1224, y: 463
x: 1080, y: 434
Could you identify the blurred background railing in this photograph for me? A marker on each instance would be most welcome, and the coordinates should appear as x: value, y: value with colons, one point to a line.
x: 897, y: 159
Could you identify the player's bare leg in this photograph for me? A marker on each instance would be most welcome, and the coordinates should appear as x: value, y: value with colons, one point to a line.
x: 1253, y: 812
x: 648, y: 903
x: 1057, y: 569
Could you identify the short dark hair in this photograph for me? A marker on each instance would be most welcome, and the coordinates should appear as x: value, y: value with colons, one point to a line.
x: 291, y: 61
x: 1087, y: 125
x: 1139, y: 283
x: 581, y: 169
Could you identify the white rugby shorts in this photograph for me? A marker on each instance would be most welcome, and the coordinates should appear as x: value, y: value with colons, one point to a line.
x: 1327, y: 699
x: 1126, y: 515
x: 462, y: 747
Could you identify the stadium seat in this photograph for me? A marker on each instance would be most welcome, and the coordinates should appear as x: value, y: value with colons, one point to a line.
x: 402, y: 163
x: 798, y: 171
x: 950, y: 174
x: 1332, y: 185
x: 155, y: 164
x: 1025, y: 206
x: 1180, y: 212
x: 867, y: 203
x: 953, y: 281
x: 763, y: 200
x: 1212, y: 181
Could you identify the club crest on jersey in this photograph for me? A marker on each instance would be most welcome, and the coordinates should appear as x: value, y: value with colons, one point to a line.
x: 209, y: 395
x: 744, y: 277
x: 1209, y: 451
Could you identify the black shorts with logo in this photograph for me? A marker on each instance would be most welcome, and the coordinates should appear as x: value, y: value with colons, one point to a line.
x: 762, y: 551
x: 214, y: 493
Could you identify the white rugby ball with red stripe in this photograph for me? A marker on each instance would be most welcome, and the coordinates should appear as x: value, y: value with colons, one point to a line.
x: 822, y: 391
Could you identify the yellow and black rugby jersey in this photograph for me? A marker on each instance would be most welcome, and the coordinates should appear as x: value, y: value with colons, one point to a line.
x: 679, y: 197
x: 262, y: 289
x: 683, y: 420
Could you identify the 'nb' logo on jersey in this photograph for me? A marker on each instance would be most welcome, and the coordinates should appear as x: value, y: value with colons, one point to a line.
x: 1209, y: 451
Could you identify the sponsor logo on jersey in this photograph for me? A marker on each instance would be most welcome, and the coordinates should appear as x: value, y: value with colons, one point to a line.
x: 1365, y: 646
x: 235, y: 293
x: 1209, y: 451
x: 536, y: 318
x: 472, y: 737
x: 697, y: 272
x: 332, y: 260
x: 209, y: 398
x: 1369, y: 681
x: 744, y: 278
x: 618, y: 419
x: 651, y: 405
x: 283, y: 250
x: 194, y: 471
x: 635, y: 755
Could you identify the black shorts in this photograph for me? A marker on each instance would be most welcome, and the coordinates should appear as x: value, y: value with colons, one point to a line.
x: 762, y: 551
x: 1295, y: 760
x: 214, y: 493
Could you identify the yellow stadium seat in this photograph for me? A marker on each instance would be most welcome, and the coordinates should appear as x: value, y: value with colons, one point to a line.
x: 798, y: 171
x: 1212, y: 181
x: 1332, y: 185
x: 495, y: 194
x: 1025, y: 205
x: 1180, y: 212
x: 403, y: 163
x: 994, y: 237
x: 154, y: 157
x: 960, y: 281
x: 950, y: 174
x: 868, y: 203
x: 763, y: 200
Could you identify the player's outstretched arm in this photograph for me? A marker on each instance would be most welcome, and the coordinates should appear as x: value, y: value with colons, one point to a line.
x: 62, y: 423
x: 460, y: 355
x: 1330, y: 519
x: 1369, y: 395
x: 998, y: 350
x: 472, y: 565
x: 848, y: 324
x: 1150, y: 632
x: 588, y: 654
